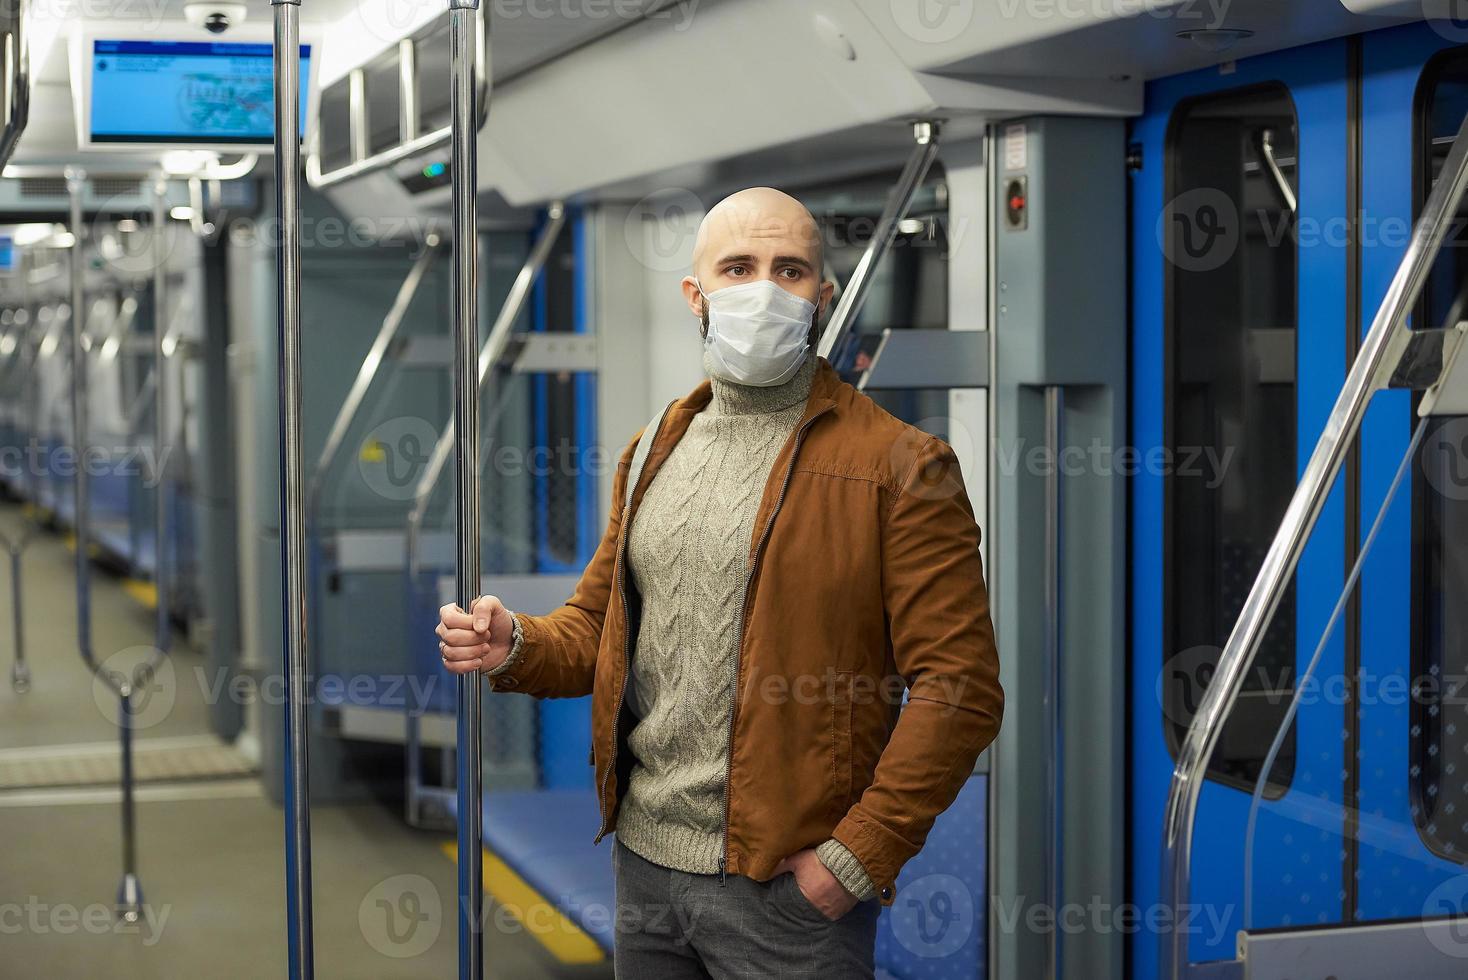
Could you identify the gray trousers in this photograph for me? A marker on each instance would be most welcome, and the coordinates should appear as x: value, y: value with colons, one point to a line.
x: 672, y: 925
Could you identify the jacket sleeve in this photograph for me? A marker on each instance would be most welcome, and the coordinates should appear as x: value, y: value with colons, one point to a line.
x: 557, y: 657
x: 937, y: 611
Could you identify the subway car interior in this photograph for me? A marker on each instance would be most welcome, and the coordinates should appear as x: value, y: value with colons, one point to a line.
x: 318, y: 315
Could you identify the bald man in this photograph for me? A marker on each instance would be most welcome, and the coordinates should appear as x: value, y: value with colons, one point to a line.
x: 789, y: 563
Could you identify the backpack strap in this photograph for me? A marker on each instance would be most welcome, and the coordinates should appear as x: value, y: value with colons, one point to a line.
x: 639, y: 455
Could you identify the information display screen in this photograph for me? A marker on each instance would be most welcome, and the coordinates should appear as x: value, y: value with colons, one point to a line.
x: 199, y: 92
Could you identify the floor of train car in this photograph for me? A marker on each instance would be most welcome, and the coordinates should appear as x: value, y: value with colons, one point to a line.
x: 210, y: 850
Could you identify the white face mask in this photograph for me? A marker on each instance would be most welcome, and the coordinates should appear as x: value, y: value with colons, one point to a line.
x: 758, y: 333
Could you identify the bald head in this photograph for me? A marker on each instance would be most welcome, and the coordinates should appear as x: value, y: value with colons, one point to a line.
x: 759, y: 233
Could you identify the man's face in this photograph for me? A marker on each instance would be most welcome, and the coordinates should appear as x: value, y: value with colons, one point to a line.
x: 758, y: 236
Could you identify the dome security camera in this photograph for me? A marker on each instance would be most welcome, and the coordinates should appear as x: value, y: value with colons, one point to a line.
x: 216, y: 18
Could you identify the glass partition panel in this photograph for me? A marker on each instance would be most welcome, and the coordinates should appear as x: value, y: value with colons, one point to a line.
x: 1297, y: 841
x: 1231, y: 363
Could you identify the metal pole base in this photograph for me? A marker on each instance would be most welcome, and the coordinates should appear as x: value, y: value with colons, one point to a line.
x: 20, y: 678
x: 129, y: 899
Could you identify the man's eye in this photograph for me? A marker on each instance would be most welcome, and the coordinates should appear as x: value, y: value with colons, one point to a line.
x: 790, y: 273
x: 736, y: 270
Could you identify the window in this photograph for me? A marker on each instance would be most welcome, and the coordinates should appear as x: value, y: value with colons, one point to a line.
x: 1438, y: 773
x: 384, y: 103
x: 1229, y: 244
x: 567, y: 524
x: 334, y: 124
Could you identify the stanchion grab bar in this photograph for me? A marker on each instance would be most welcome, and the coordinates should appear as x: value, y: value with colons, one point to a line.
x: 124, y: 684
x: 466, y: 46
x: 26, y: 353
x: 163, y: 631
x: 20, y: 670
x: 299, y: 932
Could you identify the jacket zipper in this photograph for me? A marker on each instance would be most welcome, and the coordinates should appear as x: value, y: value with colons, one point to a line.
x: 601, y: 796
x: 739, y: 636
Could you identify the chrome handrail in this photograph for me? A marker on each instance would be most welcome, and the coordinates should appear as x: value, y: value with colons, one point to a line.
x: 1271, y: 164
x: 414, y: 143
x: 468, y: 82
x: 124, y: 685
x: 20, y: 670
x: 352, y: 404
x: 490, y: 354
x: 843, y: 318
x: 300, y: 936
x: 1372, y: 370
x: 163, y: 627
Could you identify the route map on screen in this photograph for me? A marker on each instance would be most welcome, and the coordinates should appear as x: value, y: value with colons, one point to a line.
x: 186, y: 92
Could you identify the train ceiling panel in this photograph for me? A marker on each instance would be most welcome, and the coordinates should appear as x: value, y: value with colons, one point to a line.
x: 661, y: 99
x: 1109, y: 38
x: 527, y: 33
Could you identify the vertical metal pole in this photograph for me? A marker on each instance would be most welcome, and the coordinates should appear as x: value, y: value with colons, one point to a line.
x: 464, y: 50
x: 20, y: 671
x: 130, y: 894
x: 75, y: 186
x: 292, y: 503
x: 1054, y: 825
x: 163, y: 639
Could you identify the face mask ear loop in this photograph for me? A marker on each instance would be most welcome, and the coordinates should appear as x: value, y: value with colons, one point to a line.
x: 703, y: 329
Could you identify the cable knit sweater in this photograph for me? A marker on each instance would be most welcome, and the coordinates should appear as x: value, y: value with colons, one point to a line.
x: 688, y: 547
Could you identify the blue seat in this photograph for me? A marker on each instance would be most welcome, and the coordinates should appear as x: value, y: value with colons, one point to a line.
x: 934, y: 930
x: 545, y: 836
x: 936, y: 926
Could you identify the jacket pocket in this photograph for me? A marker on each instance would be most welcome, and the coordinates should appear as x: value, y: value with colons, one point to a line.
x: 840, y: 718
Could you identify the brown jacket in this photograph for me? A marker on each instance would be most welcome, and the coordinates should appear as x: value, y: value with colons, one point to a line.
x: 865, y: 580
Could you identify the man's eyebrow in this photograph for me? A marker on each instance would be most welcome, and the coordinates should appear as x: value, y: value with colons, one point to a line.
x: 735, y: 258
x: 798, y: 260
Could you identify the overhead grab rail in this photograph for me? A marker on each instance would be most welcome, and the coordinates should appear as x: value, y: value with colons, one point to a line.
x: 495, y: 350
x: 125, y: 684
x: 1383, y: 350
x: 410, y: 141
x: 848, y: 306
x: 366, y: 374
x: 17, y: 101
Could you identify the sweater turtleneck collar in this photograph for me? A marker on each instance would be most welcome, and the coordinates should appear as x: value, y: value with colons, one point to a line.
x: 730, y: 398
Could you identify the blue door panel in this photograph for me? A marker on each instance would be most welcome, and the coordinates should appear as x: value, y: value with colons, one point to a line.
x: 1288, y: 846
x: 1397, y: 871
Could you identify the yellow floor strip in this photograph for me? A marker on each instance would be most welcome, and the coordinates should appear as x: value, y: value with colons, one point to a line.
x: 143, y: 592
x: 564, y: 939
